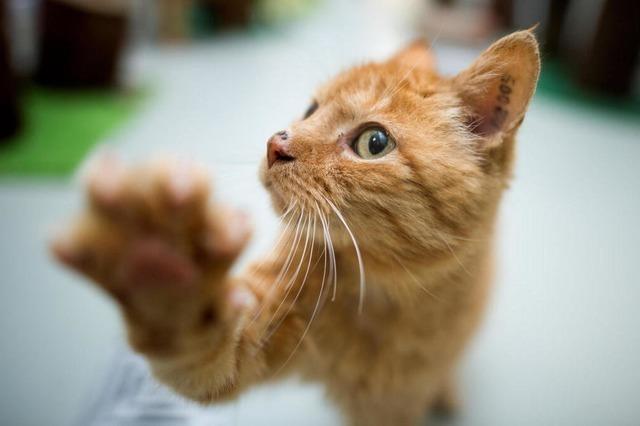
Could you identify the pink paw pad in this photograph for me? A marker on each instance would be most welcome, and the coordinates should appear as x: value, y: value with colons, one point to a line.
x: 152, y: 262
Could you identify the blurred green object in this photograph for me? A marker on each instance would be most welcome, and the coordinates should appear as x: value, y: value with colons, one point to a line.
x: 557, y: 81
x: 272, y: 12
x: 60, y: 128
x: 206, y: 17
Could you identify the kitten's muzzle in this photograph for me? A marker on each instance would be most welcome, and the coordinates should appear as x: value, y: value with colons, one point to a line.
x: 278, y: 149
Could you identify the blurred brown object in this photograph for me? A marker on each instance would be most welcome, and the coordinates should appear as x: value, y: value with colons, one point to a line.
x: 553, y: 35
x: 174, y: 16
x: 230, y: 14
x: 81, y: 42
x: 173, y: 19
x: 598, y: 41
x: 10, y: 116
x: 503, y: 12
x: 612, y: 58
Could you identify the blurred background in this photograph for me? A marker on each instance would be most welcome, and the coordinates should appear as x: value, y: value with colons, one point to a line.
x: 211, y: 80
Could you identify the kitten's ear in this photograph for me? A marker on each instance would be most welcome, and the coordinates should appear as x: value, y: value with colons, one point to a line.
x: 498, y: 86
x: 417, y: 54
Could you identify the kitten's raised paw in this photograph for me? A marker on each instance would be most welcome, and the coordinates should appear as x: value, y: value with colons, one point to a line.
x: 153, y: 241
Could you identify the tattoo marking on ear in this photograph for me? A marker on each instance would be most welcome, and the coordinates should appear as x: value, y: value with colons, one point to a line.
x: 500, y: 112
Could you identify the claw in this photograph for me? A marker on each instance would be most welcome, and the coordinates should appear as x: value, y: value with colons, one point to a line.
x: 182, y: 185
x: 239, y: 230
x: 65, y: 248
x: 105, y: 180
x: 231, y: 239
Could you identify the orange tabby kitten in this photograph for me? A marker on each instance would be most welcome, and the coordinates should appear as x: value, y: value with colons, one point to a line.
x: 388, y: 190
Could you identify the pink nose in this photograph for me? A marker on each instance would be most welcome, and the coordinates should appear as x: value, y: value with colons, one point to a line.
x: 278, y: 148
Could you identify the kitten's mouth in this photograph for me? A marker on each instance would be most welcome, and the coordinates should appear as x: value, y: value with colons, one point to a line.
x: 283, y: 158
x: 286, y: 186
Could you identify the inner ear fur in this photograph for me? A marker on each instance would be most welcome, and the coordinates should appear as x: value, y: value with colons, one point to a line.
x: 498, y: 86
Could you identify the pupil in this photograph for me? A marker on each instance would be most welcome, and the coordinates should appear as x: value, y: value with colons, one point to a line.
x: 377, y: 143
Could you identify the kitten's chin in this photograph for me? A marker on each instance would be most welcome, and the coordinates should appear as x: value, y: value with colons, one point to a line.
x: 262, y: 172
x: 281, y: 199
x: 266, y: 178
x: 278, y: 199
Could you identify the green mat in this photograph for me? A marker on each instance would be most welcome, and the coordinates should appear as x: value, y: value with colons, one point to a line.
x: 60, y: 128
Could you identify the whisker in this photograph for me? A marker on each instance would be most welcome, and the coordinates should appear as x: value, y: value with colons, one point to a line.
x: 306, y: 330
x: 358, y: 254
x: 313, y: 242
x: 289, y: 209
x: 437, y: 36
x: 413, y: 277
x: 332, y: 262
x: 283, y: 270
x: 392, y: 90
x: 325, y: 251
x: 301, y: 287
x: 284, y: 232
x: 294, y: 248
x: 472, y: 240
x: 291, y: 281
x: 452, y: 252
x: 304, y: 251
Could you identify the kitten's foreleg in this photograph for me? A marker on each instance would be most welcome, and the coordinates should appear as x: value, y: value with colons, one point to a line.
x: 152, y: 241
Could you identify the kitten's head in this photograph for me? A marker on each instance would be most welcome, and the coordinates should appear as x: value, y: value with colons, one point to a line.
x: 414, y: 161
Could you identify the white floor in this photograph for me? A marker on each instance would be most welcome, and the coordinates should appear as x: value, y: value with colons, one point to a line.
x: 561, y: 345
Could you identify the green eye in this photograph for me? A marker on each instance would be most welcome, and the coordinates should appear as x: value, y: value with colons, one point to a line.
x: 373, y: 143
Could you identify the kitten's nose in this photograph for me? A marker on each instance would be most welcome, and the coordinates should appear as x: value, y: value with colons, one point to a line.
x: 278, y: 148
